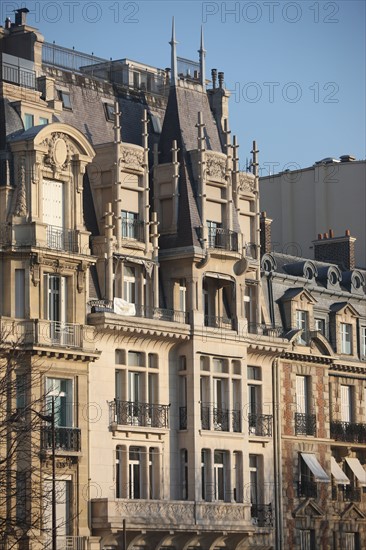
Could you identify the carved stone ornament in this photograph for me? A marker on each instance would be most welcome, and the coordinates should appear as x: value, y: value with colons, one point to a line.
x: 246, y: 184
x: 21, y: 200
x: 216, y: 167
x: 35, y: 269
x: 81, y: 277
x: 59, y: 151
x: 132, y: 158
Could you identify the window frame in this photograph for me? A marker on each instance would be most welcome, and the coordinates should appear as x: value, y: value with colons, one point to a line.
x: 346, y: 334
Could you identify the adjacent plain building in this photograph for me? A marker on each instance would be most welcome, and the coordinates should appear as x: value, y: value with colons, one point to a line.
x: 159, y: 342
x: 309, y: 201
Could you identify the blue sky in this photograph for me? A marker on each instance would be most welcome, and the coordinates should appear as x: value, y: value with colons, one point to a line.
x: 296, y: 69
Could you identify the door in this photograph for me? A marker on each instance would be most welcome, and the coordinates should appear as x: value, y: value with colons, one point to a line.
x: 53, y: 204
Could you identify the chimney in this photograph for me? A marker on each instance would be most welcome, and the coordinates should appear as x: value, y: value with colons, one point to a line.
x: 21, y: 17
x: 336, y: 250
x: 265, y: 234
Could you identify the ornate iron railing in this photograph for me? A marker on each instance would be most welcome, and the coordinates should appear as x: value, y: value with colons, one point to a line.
x: 260, y: 424
x: 133, y: 229
x: 182, y: 418
x: 219, y: 322
x: 67, y: 543
x: 262, y: 514
x: 307, y: 488
x: 351, y: 494
x: 161, y: 314
x: 223, y: 239
x: 134, y: 413
x: 220, y: 419
x: 265, y: 330
x: 66, y: 439
x: 205, y: 417
x: 305, y: 424
x: 348, y: 431
x: 59, y: 238
x: 58, y: 334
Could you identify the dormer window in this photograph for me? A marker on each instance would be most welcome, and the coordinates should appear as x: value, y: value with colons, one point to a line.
x: 109, y: 111
x: 302, y: 323
x: 346, y: 338
x: 65, y: 98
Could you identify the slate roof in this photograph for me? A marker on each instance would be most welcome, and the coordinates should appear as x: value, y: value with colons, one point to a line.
x: 10, y: 120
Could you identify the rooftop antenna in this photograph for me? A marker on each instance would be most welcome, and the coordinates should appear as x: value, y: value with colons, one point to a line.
x: 202, y: 53
x: 173, y: 43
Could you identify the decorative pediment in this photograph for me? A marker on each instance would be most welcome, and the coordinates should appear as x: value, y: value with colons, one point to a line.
x: 308, y: 508
x: 352, y: 512
x: 300, y: 295
x: 344, y: 308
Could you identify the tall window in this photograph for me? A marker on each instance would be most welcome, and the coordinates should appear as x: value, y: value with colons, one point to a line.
x: 129, y: 284
x: 219, y: 475
x: 320, y: 326
x: 307, y: 539
x: 254, y: 481
x: 20, y: 293
x: 53, y: 203
x: 61, y: 392
x: 182, y: 294
x: 130, y: 225
x: 302, y: 394
x: 63, y: 506
x: 214, y: 234
x: 363, y: 342
x: 346, y: 338
x: 134, y: 472
x: 301, y: 323
x: 204, y: 466
x: 346, y: 403
x: 184, y: 473
x: 305, y: 421
x: 254, y: 406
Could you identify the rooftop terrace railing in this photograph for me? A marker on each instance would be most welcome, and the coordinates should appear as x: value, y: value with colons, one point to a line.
x: 66, y: 58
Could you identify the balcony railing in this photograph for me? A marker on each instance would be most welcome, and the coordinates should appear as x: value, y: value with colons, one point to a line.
x: 66, y: 439
x: 265, y: 330
x: 351, y: 494
x: 59, y: 238
x: 67, y: 543
x: 223, y: 239
x: 58, y: 56
x: 260, y: 424
x: 348, y: 431
x: 308, y: 489
x: 134, y: 413
x: 262, y: 514
x: 133, y: 229
x: 222, y: 419
x: 305, y: 424
x: 58, y: 334
x: 18, y: 75
x: 161, y: 314
x: 219, y: 322
x: 182, y: 418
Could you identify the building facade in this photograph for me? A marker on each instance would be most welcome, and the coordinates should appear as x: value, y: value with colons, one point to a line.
x: 157, y: 371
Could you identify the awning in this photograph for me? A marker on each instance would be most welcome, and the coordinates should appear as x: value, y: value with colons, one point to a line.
x: 338, y: 474
x: 357, y: 469
x: 312, y: 463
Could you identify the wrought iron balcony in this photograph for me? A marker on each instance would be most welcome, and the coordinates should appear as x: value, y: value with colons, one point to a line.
x: 348, y: 431
x: 260, y: 424
x: 133, y: 229
x: 182, y: 418
x: 223, y: 239
x: 351, y: 494
x: 161, y: 314
x: 220, y: 419
x: 307, y: 488
x: 58, y: 334
x: 68, y: 543
x: 305, y: 424
x: 236, y: 421
x: 205, y: 417
x: 66, y: 439
x: 134, y: 413
x: 18, y: 75
x: 59, y: 238
x: 219, y: 322
x: 262, y: 514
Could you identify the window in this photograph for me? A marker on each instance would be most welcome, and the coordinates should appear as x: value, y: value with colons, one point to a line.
x: 63, y: 506
x: 20, y: 293
x: 219, y: 475
x: 351, y: 541
x: 53, y: 209
x: 153, y: 361
x: 182, y: 295
x: 253, y: 472
x: 134, y: 472
x: 254, y: 373
x: 28, y: 121
x: 21, y: 386
x: 305, y: 421
x: 204, y: 465
x: 184, y: 473
x: 346, y: 403
x: 346, y: 338
x: 60, y: 392
x: 43, y: 120
x: 134, y: 386
x: 254, y: 408
x: 109, y: 111
x: 56, y: 307
x: 21, y: 497
x: 301, y: 323
x: 65, y: 98
x: 129, y: 284
x: 156, y: 123
x: 130, y: 225
x: 320, y: 326
x: 307, y: 539
x: 363, y: 342
x: 215, y: 234
x: 135, y: 359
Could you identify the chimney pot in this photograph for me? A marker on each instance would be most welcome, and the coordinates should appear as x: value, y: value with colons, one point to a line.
x: 214, y: 78
x: 320, y: 236
x: 331, y: 233
x: 325, y: 235
x: 348, y: 233
x: 221, y: 79
x: 339, y: 250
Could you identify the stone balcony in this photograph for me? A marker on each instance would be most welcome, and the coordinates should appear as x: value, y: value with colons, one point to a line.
x: 171, y: 515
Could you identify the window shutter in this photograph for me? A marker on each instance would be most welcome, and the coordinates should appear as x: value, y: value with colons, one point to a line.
x: 301, y: 395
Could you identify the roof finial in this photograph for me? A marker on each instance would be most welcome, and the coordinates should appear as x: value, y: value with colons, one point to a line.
x: 202, y: 53
x: 173, y: 43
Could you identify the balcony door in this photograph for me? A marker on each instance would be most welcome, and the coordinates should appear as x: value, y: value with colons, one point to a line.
x: 53, y: 205
x: 56, y: 309
x: 63, y: 507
